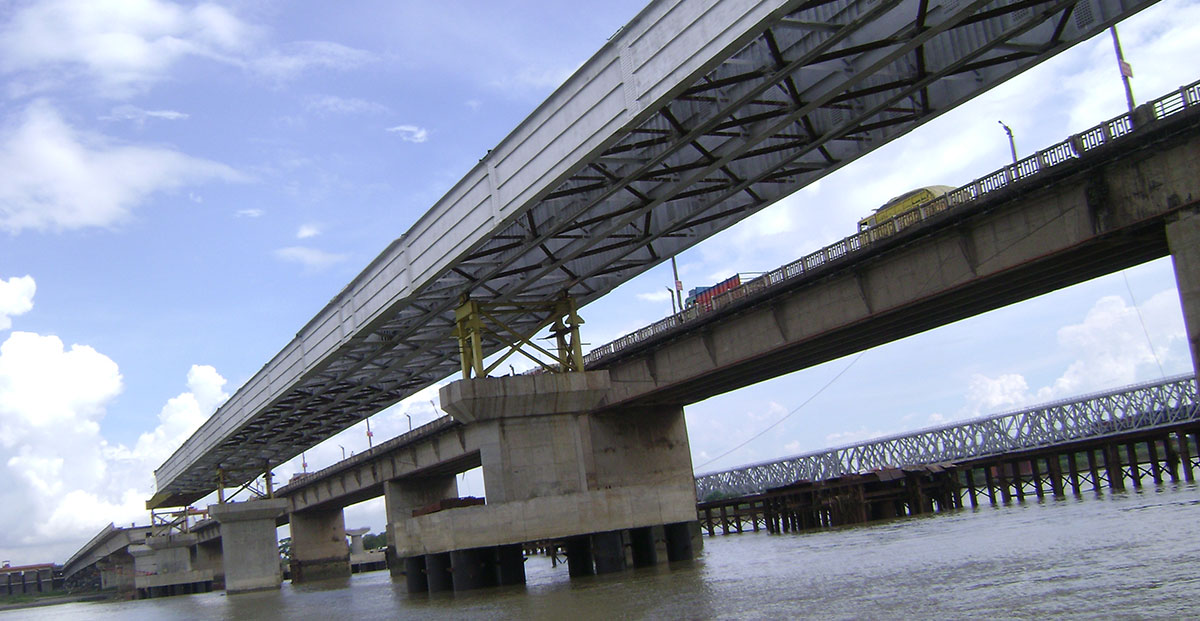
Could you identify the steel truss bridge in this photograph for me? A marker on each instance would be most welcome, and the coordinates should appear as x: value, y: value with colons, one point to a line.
x: 1134, y: 408
x: 695, y: 115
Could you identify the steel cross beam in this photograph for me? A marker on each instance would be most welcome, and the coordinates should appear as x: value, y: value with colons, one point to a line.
x: 1135, y: 408
x: 697, y: 114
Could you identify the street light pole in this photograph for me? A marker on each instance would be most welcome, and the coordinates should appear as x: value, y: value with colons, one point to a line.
x: 1124, y: 67
x: 1012, y: 144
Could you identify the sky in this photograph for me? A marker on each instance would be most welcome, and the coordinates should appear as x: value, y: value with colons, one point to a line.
x: 185, y: 185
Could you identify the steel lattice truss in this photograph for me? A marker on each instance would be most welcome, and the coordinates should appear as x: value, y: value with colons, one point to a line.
x: 804, y: 90
x: 1146, y: 406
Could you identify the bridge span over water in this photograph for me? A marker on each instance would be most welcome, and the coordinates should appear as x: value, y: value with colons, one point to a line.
x: 692, y: 117
x: 696, y: 114
x: 1142, y: 407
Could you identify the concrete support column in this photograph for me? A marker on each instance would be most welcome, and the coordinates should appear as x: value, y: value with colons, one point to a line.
x: 679, y: 541
x: 510, y: 561
x: 319, y: 550
x: 608, y: 551
x: 473, y: 568
x: 437, y: 572
x: 414, y: 574
x: 1183, y: 238
x: 249, y: 545
x: 641, y: 540
x: 579, y: 556
x: 208, y: 557
x: 401, y: 497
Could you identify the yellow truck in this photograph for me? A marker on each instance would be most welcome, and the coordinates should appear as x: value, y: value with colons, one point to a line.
x: 901, y: 204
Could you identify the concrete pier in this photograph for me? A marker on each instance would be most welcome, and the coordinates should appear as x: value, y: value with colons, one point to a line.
x: 319, y: 550
x: 554, y: 471
x: 400, y: 498
x: 1183, y: 237
x: 249, y: 545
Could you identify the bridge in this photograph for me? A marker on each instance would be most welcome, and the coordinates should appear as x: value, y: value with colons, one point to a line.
x: 692, y: 117
x: 1143, y: 407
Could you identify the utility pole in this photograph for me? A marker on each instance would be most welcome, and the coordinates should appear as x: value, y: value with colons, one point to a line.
x: 1124, y: 67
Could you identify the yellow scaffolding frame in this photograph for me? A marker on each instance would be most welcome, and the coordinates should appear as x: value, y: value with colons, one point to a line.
x: 474, y: 320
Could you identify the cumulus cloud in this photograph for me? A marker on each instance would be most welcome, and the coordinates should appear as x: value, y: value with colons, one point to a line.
x: 655, y: 296
x: 1114, y: 345
x: 16, y: 298
x: 309, y: 257
x: 63, y: 480
x: 57, y: 178
x: 410, y: 133
x: 308, y: 230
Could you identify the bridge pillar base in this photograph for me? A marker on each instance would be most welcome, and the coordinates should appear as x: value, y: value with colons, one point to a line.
x: 319, y: 550
x: 679, y: 541
x: 249, y: 545
x: 163, y: 566
x: 608, y: 550
x: 400, y: 497
x: 1183, y: 238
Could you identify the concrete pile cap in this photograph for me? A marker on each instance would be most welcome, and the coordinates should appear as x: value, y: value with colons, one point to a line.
x: 489, y: 398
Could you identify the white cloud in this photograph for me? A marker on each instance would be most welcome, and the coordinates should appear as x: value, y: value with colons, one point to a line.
x: 296, y: 58
x: 343, y: 105
x: 140, y: 115
x: 309, y: 257
x: 308, y: 230
x: 249, y: 213
x: 655, y: 296
x: 16, y: 298
x: 1111, y: 347
x: 57, y: 178
x: 182, y: 415
x: 63, y: 480
x: 410, y: 133
x: 121, y: 45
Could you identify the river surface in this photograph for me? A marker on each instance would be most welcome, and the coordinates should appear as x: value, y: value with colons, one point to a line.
x: 1129, y: 555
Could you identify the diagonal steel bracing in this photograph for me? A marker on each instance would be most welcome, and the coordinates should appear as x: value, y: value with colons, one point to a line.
x: 706, y: 130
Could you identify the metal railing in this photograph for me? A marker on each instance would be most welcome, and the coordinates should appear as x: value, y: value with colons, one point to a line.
x: 1135, y: 408
x: 834, y: 254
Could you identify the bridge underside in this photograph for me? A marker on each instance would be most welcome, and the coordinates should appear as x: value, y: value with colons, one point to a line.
x: 1093, y: 216
x: 689, y: 120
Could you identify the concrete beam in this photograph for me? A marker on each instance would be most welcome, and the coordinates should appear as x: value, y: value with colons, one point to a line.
x: 1082, y: 219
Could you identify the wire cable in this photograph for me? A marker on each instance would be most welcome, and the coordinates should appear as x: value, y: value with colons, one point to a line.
x: 1141, y: 320
x: 788, y: 415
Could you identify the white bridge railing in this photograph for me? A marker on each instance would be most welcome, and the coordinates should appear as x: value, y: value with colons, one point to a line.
x: 1069, y: 149
x: 1135, y: 408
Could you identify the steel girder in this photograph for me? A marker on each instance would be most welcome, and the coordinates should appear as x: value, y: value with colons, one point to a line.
x: 1137, y: 408
x: 808, y: 89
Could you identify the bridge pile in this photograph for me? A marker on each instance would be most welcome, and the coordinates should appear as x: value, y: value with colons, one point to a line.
x: 1114, y: 463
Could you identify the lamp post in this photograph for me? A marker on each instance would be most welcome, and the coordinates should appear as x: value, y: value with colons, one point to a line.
x: 671, y: 294
x: 1124, y: 67
x: 1012, y: 144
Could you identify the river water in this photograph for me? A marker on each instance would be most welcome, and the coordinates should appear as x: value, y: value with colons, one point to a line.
x: 1128, y: 555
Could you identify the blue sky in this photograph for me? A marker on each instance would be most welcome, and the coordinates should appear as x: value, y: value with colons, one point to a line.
x: 185, y: 185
